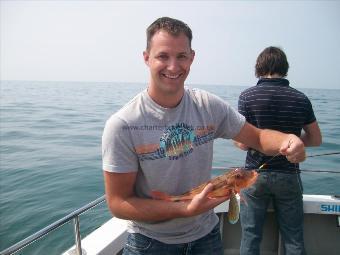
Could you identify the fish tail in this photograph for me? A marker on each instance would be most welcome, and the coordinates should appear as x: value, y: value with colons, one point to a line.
x: 161, y: 196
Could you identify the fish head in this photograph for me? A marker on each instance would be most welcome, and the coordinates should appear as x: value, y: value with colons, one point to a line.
x: 242, y: 178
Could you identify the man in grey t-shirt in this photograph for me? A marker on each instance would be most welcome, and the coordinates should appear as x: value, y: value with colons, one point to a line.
x: 163, y: 140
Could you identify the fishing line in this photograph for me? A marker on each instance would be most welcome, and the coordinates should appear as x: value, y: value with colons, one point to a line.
x: 297, y: 171
x: 310, y: 156
x: 320, y: 171
x: 323, y: 154
x: 276, y: 170
x: 285, y: 171
x: 265, y: 163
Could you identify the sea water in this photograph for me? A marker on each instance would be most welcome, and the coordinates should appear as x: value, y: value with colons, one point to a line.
x: 50, y: 154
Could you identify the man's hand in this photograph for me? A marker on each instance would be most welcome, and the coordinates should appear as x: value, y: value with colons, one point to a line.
x: 202, y: 202
x: 293, y: 148
x: 272, y: 142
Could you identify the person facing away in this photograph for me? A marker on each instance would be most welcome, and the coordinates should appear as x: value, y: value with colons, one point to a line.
x: 274, y: 104
x: 163, y: 140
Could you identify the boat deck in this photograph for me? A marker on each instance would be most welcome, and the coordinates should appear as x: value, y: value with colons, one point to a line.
x: 321, y: 230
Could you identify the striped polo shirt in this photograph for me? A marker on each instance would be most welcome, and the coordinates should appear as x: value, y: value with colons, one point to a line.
x: 273, y: 104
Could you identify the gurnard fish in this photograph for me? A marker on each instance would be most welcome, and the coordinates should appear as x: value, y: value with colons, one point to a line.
x: 225, y: 185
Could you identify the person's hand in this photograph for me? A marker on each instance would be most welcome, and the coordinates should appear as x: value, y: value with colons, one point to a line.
x: 293, y: 148
x: 202, y: 202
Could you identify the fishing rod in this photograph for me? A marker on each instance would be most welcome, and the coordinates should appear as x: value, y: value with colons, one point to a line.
x: 310, y: 156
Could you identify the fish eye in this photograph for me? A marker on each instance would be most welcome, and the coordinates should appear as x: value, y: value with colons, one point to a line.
x: 238, y: 176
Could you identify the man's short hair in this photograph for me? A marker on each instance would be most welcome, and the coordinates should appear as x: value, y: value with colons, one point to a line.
x: 172, y: 26
x: 272, y: 60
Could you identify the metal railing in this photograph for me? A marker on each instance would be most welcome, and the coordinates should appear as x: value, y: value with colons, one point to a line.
x: 41, y: 233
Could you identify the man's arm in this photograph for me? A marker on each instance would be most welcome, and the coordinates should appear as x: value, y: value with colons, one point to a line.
x: 271, y: 142
x: 121, y: 199
x: 312, y: 134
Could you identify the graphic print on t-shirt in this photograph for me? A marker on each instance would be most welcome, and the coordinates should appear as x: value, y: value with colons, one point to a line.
x: 177, y: 141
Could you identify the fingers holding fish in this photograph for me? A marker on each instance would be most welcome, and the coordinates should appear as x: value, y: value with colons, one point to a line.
x: 203, y: 201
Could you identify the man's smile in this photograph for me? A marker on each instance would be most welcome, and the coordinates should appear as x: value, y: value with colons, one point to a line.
x: 172, y: 76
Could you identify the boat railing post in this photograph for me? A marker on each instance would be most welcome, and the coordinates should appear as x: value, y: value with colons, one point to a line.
x: 77, y: 236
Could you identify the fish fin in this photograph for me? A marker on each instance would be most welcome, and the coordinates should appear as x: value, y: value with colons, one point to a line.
x: 160, y: 195
x: 234, y: 210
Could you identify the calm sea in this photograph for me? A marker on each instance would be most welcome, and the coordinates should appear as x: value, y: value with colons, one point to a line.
x: 50, y: 149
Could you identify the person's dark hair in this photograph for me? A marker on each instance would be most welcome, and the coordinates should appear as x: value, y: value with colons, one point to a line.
x: 172, y: 26
x: 272, y: 60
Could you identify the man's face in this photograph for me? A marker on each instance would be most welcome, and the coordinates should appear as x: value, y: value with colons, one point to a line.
x: 169, y: 59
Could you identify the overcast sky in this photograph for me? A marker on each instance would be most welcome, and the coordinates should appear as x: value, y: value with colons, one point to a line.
x: 104, y: 40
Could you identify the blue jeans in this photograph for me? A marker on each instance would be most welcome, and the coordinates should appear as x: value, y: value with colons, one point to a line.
x: 138, y: 244
x: 285, y: 190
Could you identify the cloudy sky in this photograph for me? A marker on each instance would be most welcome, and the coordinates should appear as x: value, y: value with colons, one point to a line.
x: 104, y: 40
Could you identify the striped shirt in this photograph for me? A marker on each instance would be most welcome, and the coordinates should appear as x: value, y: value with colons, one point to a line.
x: 273, y: 104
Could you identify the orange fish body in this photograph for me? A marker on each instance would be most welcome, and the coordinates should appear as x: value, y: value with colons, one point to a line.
x: 223, y: 186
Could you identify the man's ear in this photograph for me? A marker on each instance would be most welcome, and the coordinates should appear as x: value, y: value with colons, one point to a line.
x: 192, y: 55
x: 146, y: 57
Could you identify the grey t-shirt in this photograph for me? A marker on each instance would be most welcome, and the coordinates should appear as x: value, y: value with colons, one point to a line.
x: 171, y: 149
